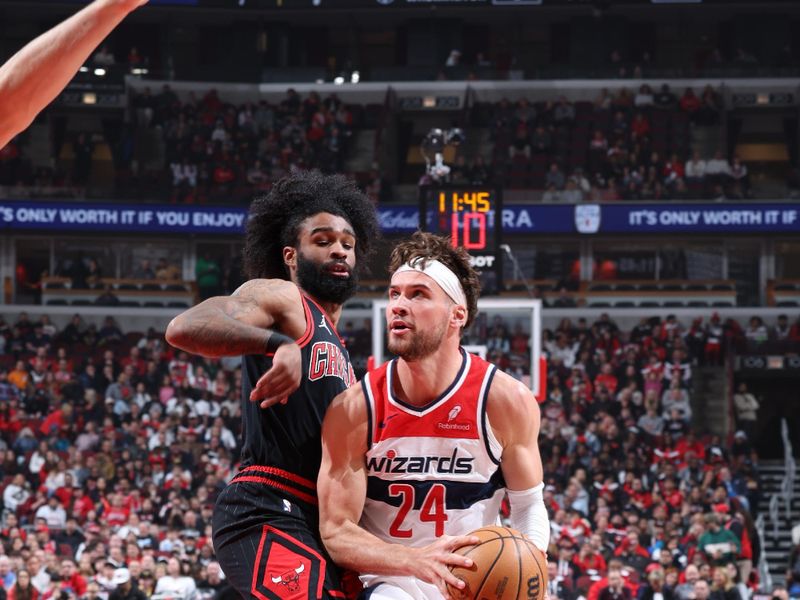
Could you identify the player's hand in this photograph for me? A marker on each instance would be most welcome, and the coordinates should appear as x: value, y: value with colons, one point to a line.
x: 431, y: 562
x: 282, y: 379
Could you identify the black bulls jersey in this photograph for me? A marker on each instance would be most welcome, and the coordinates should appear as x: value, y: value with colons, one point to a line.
x: 288, y: 436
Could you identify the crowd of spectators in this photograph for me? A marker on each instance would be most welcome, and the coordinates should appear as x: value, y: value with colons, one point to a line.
x: 639, y: 500
x: 624, y: 146
x: 215, y: 150
x: 205, y: 149
x: 114, y: 447
x: 628, y: 145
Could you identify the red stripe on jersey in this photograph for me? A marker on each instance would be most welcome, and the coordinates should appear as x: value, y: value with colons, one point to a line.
x: 309, y: 332
x: 325, y: 315
x: 427, y: 429
x: 455, y: 417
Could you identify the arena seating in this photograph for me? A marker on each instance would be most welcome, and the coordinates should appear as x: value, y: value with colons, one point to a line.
x: 204, y: 147
x: 160, y: 428
x: 626, y: 293
x: 58, y: 291
x: 783, y: 293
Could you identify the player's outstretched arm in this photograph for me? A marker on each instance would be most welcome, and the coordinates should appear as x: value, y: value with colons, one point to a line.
x: 342, y: 490
x: 514, y: 416
x: 240, y: 324
x: 35, y: 75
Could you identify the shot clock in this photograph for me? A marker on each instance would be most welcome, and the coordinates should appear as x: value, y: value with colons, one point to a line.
x: 471, y: 217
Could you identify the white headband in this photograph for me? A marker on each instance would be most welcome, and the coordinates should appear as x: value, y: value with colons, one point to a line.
x: 441, y: 274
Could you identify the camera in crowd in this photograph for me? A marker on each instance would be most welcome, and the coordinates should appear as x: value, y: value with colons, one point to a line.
x: 432, y: 148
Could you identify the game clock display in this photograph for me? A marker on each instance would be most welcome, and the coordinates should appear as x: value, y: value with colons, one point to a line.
x: 471, y: 217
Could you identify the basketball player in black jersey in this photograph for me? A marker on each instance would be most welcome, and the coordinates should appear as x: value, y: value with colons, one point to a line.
x: 304, y: 240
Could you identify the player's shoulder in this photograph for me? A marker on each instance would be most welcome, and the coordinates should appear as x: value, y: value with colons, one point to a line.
x: 277, y: 297
x: 349, y: 406
x: 504, y: 386
x: 345, y: 425
x: 510, y: 399
x: 260, y: 288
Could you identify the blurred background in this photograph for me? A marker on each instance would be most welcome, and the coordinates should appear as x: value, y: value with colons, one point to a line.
x: 638, y: 161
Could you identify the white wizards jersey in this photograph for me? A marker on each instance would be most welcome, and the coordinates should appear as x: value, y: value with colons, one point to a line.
x: 432, y: 470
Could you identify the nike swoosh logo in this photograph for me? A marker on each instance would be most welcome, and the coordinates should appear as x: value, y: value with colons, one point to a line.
x: 382, y: 424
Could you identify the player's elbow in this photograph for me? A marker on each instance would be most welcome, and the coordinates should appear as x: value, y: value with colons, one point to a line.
x: 10, y: 126
x: 177, y: 333
x: 17, y: 113
x: 330, y: 532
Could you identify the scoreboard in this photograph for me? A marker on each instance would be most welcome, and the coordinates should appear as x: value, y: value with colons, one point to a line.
x: 471, y: 216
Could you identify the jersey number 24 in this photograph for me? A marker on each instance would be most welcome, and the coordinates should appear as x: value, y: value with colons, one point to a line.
x: 431, y: 511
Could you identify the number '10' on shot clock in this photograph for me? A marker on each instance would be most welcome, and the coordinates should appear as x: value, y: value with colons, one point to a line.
x: 470, y: 216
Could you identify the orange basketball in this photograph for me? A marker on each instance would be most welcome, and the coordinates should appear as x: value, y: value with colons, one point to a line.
x: 506, y: 566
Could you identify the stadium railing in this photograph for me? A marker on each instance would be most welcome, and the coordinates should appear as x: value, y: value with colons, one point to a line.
x: 787, y: 484
x: 764, y: 576
x: 154, y: 293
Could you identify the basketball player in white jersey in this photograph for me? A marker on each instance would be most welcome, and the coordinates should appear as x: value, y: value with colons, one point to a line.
x: 422, y: 452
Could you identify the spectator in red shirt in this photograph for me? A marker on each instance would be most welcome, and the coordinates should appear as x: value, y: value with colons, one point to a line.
x: 631, y: 551
x: 606, y: 379
x: 71, y: 579
x: 520, y: 341
x: 589, y: 560
x: 56, y: 420
x: 640, y: 126
x: 599, y: 142
x: 598, y: 586
x: 82, y: 504
x: 23, y: 589
x: 134, y: 359
x: 115, y: 513
x: 690, y: 443
x: 794, y: 332
x: 616, y: 588
x: 223, y: 174
x: 689, y: 102
x: 673, y: 170
x: 671, y: 494
x: 65, y: 491
x: 638, y: 495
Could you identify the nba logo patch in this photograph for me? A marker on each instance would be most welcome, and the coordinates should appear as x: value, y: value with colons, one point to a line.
x: 587, y: 218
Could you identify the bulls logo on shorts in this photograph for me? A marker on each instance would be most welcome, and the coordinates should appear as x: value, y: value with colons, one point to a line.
x: 286, y: 569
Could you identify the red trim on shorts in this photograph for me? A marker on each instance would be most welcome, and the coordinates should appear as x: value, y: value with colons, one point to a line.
x: 254, y: 583
x: 280, y: 486
x: 283, y: 474
x: 336, y: 594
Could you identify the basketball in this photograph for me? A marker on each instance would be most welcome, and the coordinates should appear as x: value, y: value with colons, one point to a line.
x: 506, y: 566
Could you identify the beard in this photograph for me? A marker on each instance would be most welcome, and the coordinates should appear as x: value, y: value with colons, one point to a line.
x: 419, y: 344
x: 315, y: 279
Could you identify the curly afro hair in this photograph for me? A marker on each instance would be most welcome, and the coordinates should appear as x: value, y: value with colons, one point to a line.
x: 427, y: 246
x: 275, y: 219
